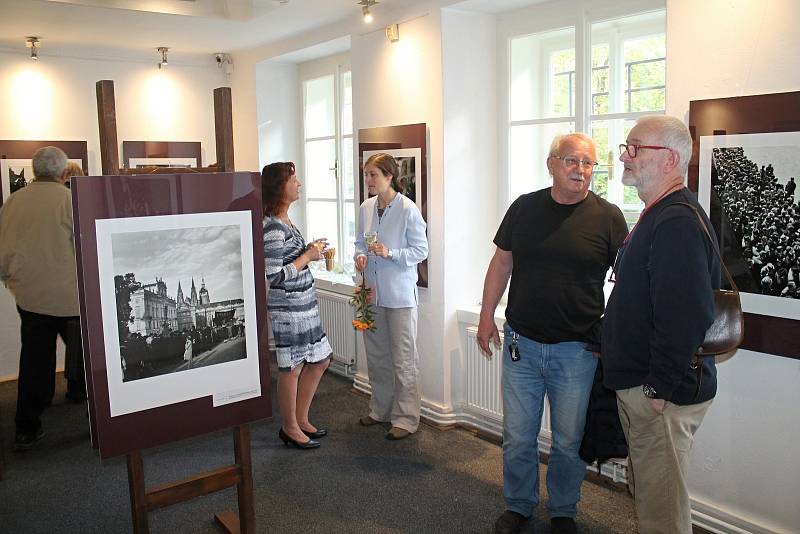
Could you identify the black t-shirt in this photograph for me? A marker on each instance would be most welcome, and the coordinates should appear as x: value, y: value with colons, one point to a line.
x: 561, y: 254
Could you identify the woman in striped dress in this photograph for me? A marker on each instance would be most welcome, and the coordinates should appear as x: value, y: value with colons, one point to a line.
x: 302, y: 348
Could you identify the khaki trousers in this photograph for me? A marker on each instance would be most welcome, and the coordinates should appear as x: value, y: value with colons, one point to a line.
x: 393, y: 365
x: 658, y: 460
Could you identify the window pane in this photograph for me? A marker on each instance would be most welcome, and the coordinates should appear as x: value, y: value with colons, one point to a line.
x: 649, y: 100
x: 540, y: 79
x: 346, y: 257
x: 322, y: 222
x: 347, y: 168
x: 527, y: 164
x: 347, y: 103
x: 633, y: 49
x: 319, y: 107
x: 320, y: 179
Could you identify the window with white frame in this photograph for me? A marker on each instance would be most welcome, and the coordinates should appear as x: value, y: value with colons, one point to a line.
x: 623, y: 78
x: 329, y: 184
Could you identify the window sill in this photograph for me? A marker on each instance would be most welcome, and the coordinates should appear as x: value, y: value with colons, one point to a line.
x: 471, y: 316
x: 334, y: 282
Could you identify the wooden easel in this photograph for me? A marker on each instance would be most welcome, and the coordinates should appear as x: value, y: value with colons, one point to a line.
x: 109, y: 149
x: 240, y: 474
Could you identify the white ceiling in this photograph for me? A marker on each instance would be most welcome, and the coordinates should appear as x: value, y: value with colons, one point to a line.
x: 186, y: 26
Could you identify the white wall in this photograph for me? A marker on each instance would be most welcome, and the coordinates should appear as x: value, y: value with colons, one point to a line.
x: 744, y: 460
x: 55, y: 99
x: 471, y: 181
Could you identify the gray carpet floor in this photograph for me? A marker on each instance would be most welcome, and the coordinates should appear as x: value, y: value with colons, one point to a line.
x: 356, y: 482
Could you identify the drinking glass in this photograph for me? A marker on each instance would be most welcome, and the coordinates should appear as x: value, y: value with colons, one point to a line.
x: 370, y: 238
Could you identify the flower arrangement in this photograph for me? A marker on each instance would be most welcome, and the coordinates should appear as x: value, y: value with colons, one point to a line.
x: 360, y: 301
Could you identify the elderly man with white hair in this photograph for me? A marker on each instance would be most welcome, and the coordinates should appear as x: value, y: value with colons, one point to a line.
x: 656, y: 318
x: 37, y: 264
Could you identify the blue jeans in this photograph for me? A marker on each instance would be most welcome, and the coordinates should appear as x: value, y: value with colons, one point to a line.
x: 563, y: 371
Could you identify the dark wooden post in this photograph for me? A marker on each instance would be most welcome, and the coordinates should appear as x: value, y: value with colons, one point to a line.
x: 107, y: 119
x: 223, y: 128
x: 138, y: 493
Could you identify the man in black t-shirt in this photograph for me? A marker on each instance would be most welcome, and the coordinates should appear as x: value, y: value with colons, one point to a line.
x: 556, y: 245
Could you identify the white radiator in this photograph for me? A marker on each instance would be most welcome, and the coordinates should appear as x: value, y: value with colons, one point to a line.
x: 337, y: 316
x: 484, y: 394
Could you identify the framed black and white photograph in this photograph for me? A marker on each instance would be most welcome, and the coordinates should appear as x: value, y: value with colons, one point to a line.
x: 747, y: 182
x: 139, y: 163
x: 178, y: 306
x: 409, y: 161
x: 17, y: 173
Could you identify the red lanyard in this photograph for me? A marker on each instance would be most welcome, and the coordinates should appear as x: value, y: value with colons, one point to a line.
x: 613, y: 276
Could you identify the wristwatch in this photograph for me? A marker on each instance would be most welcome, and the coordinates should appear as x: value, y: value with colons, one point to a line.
x: 389, y: 255
x: 649, y: 391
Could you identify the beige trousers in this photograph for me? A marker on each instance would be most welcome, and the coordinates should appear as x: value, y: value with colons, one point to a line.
x: 393, y: 365
x: 658, y: 460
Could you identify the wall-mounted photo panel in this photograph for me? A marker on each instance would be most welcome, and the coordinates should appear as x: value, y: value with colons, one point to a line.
x: 138, y: 163
x: 15, y: 161
x: 17, y: 173
x: 744, y: 167
x: 173, y: 305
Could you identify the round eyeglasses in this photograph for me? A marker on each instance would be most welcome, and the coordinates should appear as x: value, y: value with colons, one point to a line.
x: 569, y: 161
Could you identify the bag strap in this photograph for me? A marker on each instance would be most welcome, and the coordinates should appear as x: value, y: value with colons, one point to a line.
x: 713, y: 245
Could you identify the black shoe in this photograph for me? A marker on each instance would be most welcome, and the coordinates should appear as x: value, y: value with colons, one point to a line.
x: 563, y: 525
x: 510, y: 523
x: 318, y: 433
x: 25, y: 441
x: 310, y: 444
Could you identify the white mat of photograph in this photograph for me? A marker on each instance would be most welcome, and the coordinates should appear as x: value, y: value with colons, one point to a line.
x: 207, y: 246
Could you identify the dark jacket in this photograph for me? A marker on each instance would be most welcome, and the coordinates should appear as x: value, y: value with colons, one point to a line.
x: 662, y: 304
x: 603, y: 437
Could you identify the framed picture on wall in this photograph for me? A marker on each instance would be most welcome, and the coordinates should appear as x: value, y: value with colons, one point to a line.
x: 17, y: 173
x: 139, y: 154
x: 745, y: 166
x: 15, y: 161
x: 408, y: 145
x: 138, y: 163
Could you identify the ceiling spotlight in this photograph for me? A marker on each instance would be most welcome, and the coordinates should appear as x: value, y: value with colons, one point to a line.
x: 365, y: 5
x: 163, y: 50
x: 393, y: 33
x: 34, y: 44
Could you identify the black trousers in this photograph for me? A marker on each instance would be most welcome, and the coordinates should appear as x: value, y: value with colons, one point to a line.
x: 37, y: 364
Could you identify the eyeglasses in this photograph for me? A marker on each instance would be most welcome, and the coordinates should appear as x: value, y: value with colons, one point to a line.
x: 569, y: 161
x: 633, y: 150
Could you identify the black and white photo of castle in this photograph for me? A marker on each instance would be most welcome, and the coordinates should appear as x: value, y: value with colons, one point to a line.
x: 162, y: 328
x: 755, y: 211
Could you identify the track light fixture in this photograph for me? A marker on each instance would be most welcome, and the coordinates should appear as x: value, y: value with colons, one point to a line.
x: 163, y: 50
x: 34, y: 44
x: 365, y: 5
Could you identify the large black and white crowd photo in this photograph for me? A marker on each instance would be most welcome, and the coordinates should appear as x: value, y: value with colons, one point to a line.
x: 759, y: 227
x: 179, y: 299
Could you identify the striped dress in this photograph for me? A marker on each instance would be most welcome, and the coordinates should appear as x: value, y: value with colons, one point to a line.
x: 292, y: 303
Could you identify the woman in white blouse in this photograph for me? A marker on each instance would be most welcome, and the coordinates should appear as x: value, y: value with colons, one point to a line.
x: 389, y: 267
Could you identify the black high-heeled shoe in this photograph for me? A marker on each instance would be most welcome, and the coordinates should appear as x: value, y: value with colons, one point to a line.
x: 310, y: 444
x: 319, y: 433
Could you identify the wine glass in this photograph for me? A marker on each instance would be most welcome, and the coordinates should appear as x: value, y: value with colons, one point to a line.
x: 369, y: 239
